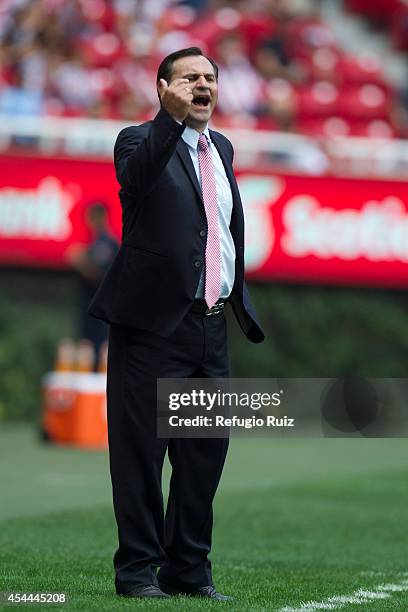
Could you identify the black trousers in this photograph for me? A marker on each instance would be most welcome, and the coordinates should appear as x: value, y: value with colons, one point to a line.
x: 179, y: 541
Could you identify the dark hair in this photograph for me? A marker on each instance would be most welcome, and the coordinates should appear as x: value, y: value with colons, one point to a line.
x: 165, y: 70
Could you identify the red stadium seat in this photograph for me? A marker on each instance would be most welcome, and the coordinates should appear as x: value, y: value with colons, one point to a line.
x: 329, y: 126
x: 327, y: 64
x: 375, y: 129
x: 363, y: 68
x: 214, y: 25
x: 101, y: 50
x: 364, y: 102
x: 320, y: 99
x: 338, y: 126
x: 176, y: 18
x: 257, y: 29
x: 99, y: 13
x: 305, y: 36
x: 322, y: 65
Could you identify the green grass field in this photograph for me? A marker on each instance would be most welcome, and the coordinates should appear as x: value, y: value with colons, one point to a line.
x: 295, y: 521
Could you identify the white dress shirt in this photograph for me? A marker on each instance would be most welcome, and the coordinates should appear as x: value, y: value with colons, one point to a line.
x: 224, y: 198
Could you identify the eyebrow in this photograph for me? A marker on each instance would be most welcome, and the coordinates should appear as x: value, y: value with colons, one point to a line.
x: 193, y: 74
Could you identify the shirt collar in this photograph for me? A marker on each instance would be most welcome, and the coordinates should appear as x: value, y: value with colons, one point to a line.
x: 191, y: 136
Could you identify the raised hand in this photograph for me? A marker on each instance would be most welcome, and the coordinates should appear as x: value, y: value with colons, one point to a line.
x: 176, y: 98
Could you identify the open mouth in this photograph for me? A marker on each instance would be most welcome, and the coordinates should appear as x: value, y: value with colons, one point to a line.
x: 201, y: 101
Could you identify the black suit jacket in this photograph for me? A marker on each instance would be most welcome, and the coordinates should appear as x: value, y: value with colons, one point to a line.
x: 154, y: 277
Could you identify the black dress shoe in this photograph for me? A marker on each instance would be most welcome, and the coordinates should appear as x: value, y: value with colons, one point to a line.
x: 150, y: 590
x: 209, y: 591
x: 205, y: 591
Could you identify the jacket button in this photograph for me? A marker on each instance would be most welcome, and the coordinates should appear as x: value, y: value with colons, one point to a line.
x: 197, y: 263
x: 203, y: 233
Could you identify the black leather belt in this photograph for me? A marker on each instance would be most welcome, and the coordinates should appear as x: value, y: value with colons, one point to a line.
x: 201, y: 307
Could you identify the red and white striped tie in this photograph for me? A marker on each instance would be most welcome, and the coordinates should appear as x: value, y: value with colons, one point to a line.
x: 213, y: 250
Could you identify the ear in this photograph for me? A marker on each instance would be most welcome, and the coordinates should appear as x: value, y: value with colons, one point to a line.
x: 161, y: 87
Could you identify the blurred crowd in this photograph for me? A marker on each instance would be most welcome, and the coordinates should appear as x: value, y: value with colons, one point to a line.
x: 281, y: 67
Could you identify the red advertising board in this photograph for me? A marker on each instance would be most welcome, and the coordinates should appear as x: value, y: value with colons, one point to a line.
x: 42, y: 206
x: 298, y: 228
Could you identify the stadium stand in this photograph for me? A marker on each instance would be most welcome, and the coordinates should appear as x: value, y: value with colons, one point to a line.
x: 282, y: 67
x: 391, y: 14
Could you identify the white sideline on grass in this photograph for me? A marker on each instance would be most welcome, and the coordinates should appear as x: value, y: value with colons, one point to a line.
x: 382, y: 591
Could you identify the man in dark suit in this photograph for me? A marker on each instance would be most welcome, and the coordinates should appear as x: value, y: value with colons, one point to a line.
x: 181, y: 261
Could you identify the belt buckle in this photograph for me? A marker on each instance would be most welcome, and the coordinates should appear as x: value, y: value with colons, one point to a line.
x: 215, y: 309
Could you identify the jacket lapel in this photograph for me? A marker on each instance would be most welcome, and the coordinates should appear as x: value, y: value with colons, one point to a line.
x: 237, y: 217
x: 227, y: 166
x: 185, y: 157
